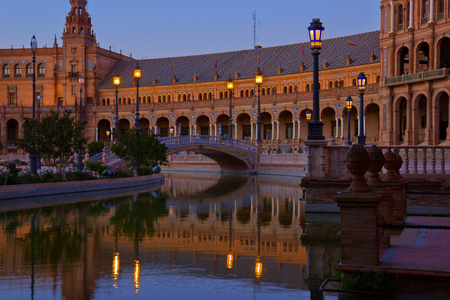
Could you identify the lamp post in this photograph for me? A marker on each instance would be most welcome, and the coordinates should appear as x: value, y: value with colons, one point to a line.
x: 116, y: 83
x: 349, y: 103
x: 315, y: 127
x: 171, y: 130
x: 258, y: 81
x: 80, y: 156
x: 108, y: 133
x: 230, y: 87
x: 32, y: 157
x: 137, y: 76
x: 362, y: 81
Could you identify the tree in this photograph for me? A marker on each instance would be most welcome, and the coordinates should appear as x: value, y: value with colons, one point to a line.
x: 56, y: 138
x: 95, y: 147
x: 151, y: 150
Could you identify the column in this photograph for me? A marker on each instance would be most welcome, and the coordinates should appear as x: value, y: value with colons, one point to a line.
x: 299, y: 128
x: 251, y: 131
x: 293, y: 129
x: 342, y: 127
x: 273, y: 130
x: 190, y: 129
x: 278, y: 130
x: 235, y: 130
x: 411, y: 14
x: 337, y: 127
x: 215, y: 129
x: 392, y: 16
x: 96, y: 134
x: 364, y: 121
x: 431, y: 12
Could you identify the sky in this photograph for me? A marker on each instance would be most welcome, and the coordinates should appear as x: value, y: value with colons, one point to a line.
x: 168, y: 28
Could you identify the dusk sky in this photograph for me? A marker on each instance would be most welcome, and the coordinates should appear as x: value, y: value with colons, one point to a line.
x: 166, y: 28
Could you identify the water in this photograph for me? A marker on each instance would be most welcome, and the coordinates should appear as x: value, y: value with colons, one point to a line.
x: 200, y: 236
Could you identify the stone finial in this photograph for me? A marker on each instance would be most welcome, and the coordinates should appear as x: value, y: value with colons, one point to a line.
x: 376, y: 164
x: 357, y: 163
x: 390, y: 164
x: 332, y: 141
x: 302, y: 67
x: 398, y: 166
x: 86, y: 155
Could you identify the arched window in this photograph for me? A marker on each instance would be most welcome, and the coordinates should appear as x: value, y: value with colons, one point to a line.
x: 41, y: 70
x: 307, y: 87
x: 103, y: 101
x: 263, y: 91
x: 179, y: 97
x: 210, y: 95
x: 268, y: 91
x: 341, y: 83
x: 220, y: 95
x: 290, y: 89
x: 400, y: 17
x: 6, y: 71
x: 17, y: 71
x: 164, y: 98
x: 12, y: 132
x: 330, y: 85
x: 441, y: 8
x: 225, y: 94
x: 336, y: 84
x: 284, y: 89
x: 252, y: 92
x: 242, y: 93
x: 107, y: 102
x: 29, y: 70
x: 129, y: 100
x: 246, y: 93
x: 184, y: 97
x: 120, y: 101
x: 200, y: 96
x: 378, y: 78
x: 354, y: 82
x: 159, y: 98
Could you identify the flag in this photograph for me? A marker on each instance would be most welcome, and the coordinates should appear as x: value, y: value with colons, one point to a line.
x: 303, y: 52
x: 173, y: 65
x: 350, y: 43
x: 215, y: 64
x: 257, y: 57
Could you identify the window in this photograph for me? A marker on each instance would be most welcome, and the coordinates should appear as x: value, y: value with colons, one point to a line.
x: 267, y: 131
x: 18, y: 71
x: 60, y: 101
x: 12, y: 132
x: 285, y: 90
x: 289, y: 127
x: 441, y: 9
x: 12, y: 100
x: 41, y: 70
x: 425, y: 6
x: 6, y: 71
x: 74, y: 89
x: 29, y: 71
x: 400, y: 17
x: 307, y: 88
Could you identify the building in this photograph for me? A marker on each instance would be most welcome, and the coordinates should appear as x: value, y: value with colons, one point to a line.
x: 406, y: 99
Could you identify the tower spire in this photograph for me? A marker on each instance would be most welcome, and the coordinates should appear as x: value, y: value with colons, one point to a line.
x: 78, y: 22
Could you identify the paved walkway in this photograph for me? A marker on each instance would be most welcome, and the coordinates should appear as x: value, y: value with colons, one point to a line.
x: 420, y: 251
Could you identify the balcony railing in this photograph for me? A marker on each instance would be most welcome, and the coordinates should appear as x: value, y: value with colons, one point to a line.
x: 428, y: 75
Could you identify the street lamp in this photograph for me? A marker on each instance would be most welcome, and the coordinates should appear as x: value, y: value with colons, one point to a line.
x: 362, y: 81
x: 116, y: 83
x: 137, y: 76
x: 230, y: 87
x: 80, y: 156
x: 108, y: 132
x: 349, y: 103
x: 315, y: 127
x: 33, y: 157
x: 258, y: 81
x: 308, y: 115
x: 171, y: 131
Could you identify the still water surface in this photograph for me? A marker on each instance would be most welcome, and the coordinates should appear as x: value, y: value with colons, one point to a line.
x: 200, y: 236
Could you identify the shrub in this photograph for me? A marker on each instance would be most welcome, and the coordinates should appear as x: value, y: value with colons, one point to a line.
x: 145, y: 170
x: 95, y: 147
x: 96, y: 166
x: 50, y: 176
x: 79, y: 176
x: 122, y: 173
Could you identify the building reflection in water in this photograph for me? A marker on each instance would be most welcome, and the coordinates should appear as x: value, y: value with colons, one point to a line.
x: 232, y: 227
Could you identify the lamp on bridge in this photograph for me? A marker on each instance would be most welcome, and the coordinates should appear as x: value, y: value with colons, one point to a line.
x: 230, y: 87
x: 33, y: 156
x: 137, y: 76
x: 315, y: 127
x: 349, y: 103
x: 362, y: 81
x: 171, y: 130
x: 108, y: 133
x: 116, y: 83
x: 258, y: 81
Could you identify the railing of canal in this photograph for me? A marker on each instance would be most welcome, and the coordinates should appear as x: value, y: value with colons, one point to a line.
x: 208, y: 140
x: 416, y: 159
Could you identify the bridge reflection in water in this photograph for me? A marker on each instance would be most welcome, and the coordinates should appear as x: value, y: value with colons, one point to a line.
x: 250, y: 232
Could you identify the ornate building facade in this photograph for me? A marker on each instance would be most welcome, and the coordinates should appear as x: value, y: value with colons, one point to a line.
x: 406, y: 99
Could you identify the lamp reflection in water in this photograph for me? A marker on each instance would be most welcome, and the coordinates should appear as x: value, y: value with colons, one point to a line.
x: 258, y: 262
x: 230, y: 257
x: 137, y: 267
x: 116, y: 257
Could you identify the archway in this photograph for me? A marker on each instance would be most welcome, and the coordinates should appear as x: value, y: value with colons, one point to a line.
x: 372, y: 125
x: 286, y: 125
x: 329, y: 122
x: 353, y: 124
x: 103, y: 126
x: 400, y: 121
x: 444, y: 53
x: 243, y: 127
x: 203, y: 125
x: 163, y: 126
x: 266, y: 124
x: 145, y: 125
x: 423, y: 58
x: 420, y: 115
x: 124, y: 124
x: 183, y: 123
x: 443, y: 117
x: 12, y: 127
x: 223, y: 122
x: 403, y: 61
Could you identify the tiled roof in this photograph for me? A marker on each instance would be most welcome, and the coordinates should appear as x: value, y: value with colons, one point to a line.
x: 289, y: 57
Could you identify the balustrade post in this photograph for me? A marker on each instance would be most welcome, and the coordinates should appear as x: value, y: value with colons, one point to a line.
x: 406, y: 161
x: 433, y: 160
x: 415, y: 161
x: 424, y: 160
x: 442, y: 160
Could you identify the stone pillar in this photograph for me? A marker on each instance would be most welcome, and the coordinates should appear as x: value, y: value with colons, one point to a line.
x: 315, y: 164
x: 411, y: 14
x: 104, y: 157
x: 377, y: 161
x: 273, y: 131
x: 359, y: 209
x: 392, y: 180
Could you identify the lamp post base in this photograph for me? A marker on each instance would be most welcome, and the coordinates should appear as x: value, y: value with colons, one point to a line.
x: 80, y: 161
x: 33, y: 163
x: 315, y: 131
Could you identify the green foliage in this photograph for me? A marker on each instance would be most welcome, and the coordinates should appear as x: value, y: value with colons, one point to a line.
x: 79, y: 176
x: 145, y: 170
x: 95, y: 147
x: 151, y: 150
x: 56, y: 137
x: 122, y: 173
x: 96, y: 166
x: 380, y: 281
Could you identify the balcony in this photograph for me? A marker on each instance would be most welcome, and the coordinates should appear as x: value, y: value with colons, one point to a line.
x: 417, y: 77
x: 73, y: 74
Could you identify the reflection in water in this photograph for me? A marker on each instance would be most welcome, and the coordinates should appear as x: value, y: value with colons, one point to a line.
x: 250, y: 238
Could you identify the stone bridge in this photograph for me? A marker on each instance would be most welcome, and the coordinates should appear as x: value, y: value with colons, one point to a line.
x: 230, y: 154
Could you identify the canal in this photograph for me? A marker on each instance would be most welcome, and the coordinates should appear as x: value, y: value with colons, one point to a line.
x: 199, y: 236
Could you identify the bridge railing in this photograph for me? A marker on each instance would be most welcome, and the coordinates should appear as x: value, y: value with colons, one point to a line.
x: 208, y: 140
x: 417, y: 160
